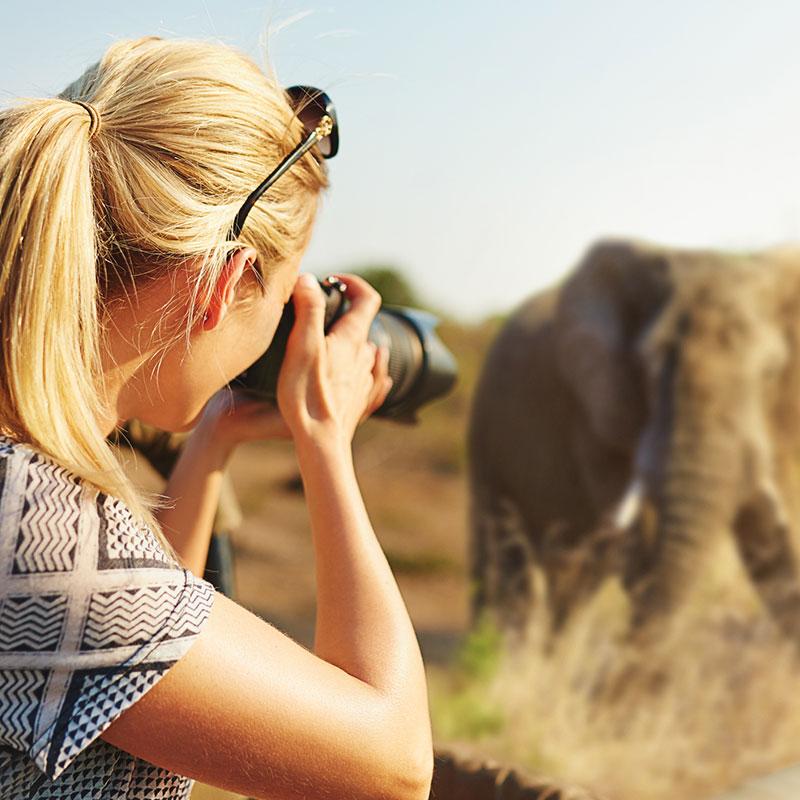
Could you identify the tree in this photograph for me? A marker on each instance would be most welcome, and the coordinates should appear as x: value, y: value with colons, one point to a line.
x: 392, y: 286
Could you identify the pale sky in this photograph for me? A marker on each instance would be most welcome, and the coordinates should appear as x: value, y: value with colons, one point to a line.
x: 485, y: 146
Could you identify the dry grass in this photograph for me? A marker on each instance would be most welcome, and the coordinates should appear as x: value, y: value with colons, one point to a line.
x: 711, y: 704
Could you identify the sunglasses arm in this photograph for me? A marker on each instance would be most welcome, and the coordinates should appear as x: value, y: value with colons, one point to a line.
x: 287, y: 162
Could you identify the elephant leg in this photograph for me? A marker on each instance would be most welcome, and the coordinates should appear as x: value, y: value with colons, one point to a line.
x: 765, y: 546
x: 501, y: 561
x: 574, y: 567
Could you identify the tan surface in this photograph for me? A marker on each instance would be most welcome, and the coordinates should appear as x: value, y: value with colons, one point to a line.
x: 783, y: 785
x: 419, y: 519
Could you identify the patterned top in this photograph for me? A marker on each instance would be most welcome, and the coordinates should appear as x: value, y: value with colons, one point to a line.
x: 93, y: 612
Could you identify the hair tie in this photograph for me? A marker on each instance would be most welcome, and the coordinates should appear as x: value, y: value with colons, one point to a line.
x: 94, y: 116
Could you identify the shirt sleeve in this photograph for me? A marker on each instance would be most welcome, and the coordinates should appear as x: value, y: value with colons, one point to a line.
x: 93, y: 611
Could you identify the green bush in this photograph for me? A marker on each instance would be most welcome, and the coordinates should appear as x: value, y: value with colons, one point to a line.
x: 392, y: 286
x: 462, y: 709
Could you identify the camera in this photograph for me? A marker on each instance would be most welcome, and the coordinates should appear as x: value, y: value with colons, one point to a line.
x: 421, y: 367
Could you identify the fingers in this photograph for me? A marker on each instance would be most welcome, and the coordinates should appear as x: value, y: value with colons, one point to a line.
x: 380, y: 375
x: 381, y: 382
x: 365, y: 303
x: 308, y: 332
x: 338, y: 379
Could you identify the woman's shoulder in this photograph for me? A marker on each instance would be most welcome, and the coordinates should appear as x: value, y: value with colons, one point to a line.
x: 29, y: 472
x: 50, y: 513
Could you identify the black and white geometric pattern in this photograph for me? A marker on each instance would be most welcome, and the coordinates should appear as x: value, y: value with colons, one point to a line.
x: 121, y: 543
x: 22, y: 691
x: 32, y: 622
x: 93, y: 613
x: 130, y: 615
x: 47, y: 532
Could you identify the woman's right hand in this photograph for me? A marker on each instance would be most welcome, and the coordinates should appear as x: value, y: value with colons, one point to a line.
x: 328, y: 384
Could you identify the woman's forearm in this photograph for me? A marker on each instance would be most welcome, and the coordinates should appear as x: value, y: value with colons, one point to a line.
x: 193, y: 489
x: 362, y: 624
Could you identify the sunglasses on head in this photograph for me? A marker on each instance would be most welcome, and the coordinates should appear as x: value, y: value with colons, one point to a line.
x: 315, y: 110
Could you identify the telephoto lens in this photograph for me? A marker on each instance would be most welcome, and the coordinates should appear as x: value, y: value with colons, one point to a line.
x: 421, y: 367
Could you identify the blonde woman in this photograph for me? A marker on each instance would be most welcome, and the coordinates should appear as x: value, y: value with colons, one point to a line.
x: 136, y: 281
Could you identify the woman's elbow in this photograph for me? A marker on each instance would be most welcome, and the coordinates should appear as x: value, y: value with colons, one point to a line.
x: 424, y: 775
x: 402, y: 745
x: 415, y: 776
x: 407, y: 758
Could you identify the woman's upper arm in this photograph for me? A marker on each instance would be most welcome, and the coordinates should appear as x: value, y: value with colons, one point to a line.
x: 250, y: 710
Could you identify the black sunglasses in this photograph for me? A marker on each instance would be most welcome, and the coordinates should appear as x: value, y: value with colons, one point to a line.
x: 315, y: 110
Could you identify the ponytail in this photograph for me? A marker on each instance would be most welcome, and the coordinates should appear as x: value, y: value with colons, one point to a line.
x: 51, y: 373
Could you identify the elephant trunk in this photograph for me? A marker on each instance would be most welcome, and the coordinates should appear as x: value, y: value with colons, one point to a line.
x: 695, y: 498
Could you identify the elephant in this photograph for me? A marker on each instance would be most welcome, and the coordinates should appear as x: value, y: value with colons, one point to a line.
x: 625, y: 418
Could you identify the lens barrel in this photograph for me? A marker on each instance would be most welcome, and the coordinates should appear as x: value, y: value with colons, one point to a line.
x: 421, y: 367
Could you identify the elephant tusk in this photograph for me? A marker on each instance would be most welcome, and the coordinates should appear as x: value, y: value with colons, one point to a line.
x: 630, y: 505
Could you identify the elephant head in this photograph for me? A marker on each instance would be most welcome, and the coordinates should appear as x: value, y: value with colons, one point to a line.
x: 682, y: 364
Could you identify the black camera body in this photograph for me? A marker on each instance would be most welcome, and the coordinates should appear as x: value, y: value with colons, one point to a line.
x: 421, y: 367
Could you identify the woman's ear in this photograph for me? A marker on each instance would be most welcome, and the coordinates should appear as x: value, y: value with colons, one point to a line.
x: 228, y: 282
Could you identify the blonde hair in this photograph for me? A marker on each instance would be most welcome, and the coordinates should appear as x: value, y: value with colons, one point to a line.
x: 88, y: 213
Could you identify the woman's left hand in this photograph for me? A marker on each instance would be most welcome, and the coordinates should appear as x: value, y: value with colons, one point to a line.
x: 232, y: 417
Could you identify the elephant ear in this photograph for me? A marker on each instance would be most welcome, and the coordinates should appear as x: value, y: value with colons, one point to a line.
x: 616, y: 291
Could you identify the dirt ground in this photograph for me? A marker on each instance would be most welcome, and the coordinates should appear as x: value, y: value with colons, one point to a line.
x: 420, y: 520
